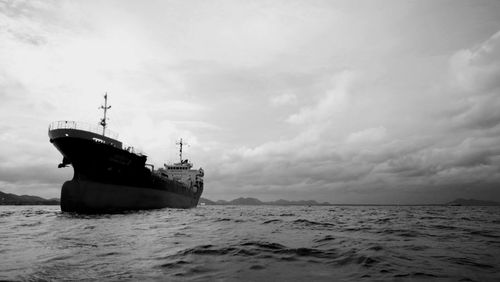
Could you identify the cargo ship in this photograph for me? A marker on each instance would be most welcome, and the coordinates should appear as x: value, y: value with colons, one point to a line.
x: 110, y: 177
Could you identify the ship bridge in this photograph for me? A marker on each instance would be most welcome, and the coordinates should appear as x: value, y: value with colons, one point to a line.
x: 182, y: 171
x: 183, y: 165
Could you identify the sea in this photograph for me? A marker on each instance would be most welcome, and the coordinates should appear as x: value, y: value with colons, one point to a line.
x: 252, y: 243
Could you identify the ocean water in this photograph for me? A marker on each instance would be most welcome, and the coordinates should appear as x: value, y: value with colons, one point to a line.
x: 253, y: 243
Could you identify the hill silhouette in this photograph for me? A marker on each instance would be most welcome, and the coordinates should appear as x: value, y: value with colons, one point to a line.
x: 257, y: 202
x: 281, y: 202
x: 472, y: 202
x: 12, y: 199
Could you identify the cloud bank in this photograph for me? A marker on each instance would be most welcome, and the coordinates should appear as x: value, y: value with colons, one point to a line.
x: 332, y: 102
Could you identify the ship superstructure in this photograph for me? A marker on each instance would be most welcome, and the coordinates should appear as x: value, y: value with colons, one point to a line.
x: 182, y: 171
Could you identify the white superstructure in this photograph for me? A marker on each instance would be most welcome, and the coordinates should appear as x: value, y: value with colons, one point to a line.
x: 182, y: 172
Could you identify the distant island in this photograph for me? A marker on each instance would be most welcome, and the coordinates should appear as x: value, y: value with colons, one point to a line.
x: 472, y: 202
x: 12, y: 199
x: 257, y: 202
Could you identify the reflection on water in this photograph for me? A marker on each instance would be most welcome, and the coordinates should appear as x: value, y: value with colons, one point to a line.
x: 252, y: 243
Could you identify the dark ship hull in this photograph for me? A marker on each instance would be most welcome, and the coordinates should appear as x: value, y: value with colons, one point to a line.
x: 108, y: 178
x: 84, y: 196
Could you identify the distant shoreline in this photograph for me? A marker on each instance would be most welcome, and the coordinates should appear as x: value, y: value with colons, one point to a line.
x: 257, y: 202
x: 7, y: 199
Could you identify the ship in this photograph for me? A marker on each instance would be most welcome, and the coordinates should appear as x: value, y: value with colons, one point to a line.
x: 110, y: 177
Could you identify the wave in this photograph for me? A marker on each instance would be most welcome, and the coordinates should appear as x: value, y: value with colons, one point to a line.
x: 470, y: 262
x: 272, y: 221
x: 325, y: 239
x: 252, y: 243
x: 276, y: 251
x: 310, y: 223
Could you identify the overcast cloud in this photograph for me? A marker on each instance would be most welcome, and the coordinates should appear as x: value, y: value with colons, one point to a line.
x: 340, y: 101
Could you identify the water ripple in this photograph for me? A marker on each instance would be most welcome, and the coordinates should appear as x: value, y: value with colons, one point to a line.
x: 253, y: 243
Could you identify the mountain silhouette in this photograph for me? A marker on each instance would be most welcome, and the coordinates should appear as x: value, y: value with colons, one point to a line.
x: 12, y: 199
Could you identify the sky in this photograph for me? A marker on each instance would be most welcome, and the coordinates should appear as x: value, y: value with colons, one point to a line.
x: 384, y: 102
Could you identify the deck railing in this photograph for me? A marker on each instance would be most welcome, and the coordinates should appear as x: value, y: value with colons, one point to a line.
x: 67, y: 124
x: 133, y: 150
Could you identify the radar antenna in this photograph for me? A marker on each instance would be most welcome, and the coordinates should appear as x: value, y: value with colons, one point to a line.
x: 105, y: 108
x: 180, y: 143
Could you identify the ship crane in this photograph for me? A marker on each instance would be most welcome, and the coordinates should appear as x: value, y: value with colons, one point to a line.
x: 105, y: 108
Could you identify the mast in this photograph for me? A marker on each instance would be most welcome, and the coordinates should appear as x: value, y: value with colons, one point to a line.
x: 180, y: 143
x: 105, y: 108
